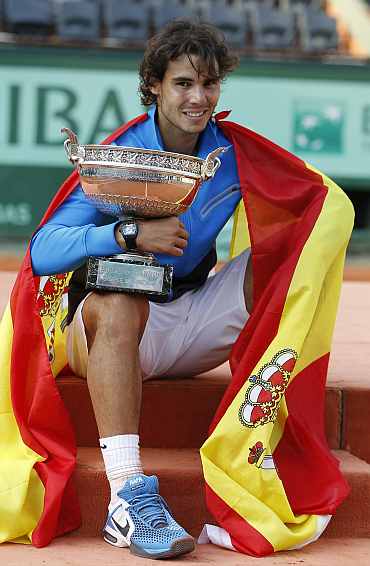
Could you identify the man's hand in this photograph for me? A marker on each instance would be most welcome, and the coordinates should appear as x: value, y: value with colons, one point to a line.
x: 162, y: 235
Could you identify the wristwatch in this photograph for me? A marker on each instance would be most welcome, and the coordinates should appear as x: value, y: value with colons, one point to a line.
x: 129, y: 231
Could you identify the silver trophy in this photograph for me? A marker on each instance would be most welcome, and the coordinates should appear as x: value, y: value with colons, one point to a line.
x: 129, y: 182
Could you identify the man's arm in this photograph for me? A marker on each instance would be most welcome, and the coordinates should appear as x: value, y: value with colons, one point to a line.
x: 77, y: 230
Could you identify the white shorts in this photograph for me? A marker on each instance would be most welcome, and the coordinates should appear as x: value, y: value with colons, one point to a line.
x: 185, y: 337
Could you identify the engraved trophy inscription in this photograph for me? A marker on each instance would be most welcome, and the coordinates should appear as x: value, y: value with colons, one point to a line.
x: 126, y: 182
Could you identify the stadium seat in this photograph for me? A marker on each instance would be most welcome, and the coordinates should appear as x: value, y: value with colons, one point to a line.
x: 166, y: 11
x: 299, y: 5
x: 28, y: 17
x: 126, y: 21
x: 78, y: 20
x: 254, y: 3
x: 231, y: 20
x: 318, y: 31
x: 272, y: 28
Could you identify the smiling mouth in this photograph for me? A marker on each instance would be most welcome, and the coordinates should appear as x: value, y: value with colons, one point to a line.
x: 195, y: 114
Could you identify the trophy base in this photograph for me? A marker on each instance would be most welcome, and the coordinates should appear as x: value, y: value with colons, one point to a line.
x: 130, y: 272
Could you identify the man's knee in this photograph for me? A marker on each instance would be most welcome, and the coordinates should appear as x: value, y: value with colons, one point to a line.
x: 119, y: 316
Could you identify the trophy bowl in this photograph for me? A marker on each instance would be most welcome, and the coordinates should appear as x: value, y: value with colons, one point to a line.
x: 131, y: 182
x: 145, y: 183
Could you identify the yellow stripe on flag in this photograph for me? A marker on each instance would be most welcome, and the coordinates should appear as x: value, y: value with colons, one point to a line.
x: 306, y: 326
x: 240, y: 239
x: 21, y: 490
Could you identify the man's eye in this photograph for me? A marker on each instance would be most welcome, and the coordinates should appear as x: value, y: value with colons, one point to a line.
x: 184, y: 83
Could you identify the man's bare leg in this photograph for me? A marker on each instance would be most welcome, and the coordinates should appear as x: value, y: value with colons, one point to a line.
x: 114, y: 324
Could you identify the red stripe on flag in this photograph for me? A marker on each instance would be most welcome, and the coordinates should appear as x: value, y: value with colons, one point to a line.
x: 61, y: 513
x: 244, y: 537
x: 40, y: 413
x: 309, y: 471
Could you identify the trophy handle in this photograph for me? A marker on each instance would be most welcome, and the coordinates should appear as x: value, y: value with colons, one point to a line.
x: 212, y: 163
x: 74, y: 151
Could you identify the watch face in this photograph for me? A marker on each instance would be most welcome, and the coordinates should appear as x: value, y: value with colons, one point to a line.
x: 129, y: 229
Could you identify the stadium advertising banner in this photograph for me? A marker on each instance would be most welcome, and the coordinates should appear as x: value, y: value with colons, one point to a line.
x: 35, y: 104
x: 326, y: 122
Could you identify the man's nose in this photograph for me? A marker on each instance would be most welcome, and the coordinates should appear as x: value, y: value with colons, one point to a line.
x: 198, y: 95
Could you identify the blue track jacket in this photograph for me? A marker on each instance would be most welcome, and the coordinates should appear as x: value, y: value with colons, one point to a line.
x: 78, y: 230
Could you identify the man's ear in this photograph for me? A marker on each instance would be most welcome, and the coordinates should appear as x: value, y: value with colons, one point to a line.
x: 155, y: 88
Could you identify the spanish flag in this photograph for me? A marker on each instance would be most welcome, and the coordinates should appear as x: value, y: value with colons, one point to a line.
x: 271, y: 481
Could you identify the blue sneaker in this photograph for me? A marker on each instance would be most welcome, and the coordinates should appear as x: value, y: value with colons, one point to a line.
x: 142, y: 520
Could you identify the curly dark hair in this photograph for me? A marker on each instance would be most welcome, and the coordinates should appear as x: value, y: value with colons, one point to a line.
x: 184, y: 37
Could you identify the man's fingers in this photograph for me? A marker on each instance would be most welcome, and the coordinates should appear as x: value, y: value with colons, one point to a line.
x: 182, y: 233
x: 177, y: 251
x: 162, y: 235
x: 180, y: 243
x: 177, y: 247
x: 173, y: 250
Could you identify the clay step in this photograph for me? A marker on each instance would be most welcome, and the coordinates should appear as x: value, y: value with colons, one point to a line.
x: 176, y: 413
x: 76, y: 550
x: 181, y: 484
x: 355, y: 430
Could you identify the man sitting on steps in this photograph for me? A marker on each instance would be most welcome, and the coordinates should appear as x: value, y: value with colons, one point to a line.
x: 116, y: 340
x: 271, y: 481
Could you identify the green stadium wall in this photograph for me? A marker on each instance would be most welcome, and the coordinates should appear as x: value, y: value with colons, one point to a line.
x: 320, y: 112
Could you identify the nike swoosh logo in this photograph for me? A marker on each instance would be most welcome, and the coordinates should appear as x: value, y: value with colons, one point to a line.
x: 123, y: 530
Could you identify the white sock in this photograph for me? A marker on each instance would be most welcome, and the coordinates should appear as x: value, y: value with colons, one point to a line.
x: 121, y: 456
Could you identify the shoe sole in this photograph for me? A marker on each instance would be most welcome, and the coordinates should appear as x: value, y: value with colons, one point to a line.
x: 114, y: 541
x: 180, y: 546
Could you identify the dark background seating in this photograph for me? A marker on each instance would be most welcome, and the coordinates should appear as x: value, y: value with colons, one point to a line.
x: 78, y: 20
x: 318, y: 31
x: 29, y: 17
x: 126, y: 21
x: 273, y: 28
x: 295, y: 27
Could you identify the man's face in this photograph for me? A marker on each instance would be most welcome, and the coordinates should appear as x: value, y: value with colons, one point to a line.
x: 186, y: 98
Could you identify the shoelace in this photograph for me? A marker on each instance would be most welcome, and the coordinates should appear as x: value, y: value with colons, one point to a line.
x: 149, y: 507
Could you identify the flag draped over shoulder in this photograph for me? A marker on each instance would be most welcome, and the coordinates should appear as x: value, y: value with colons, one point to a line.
x: 271, y: 481
x: 37, y: 444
